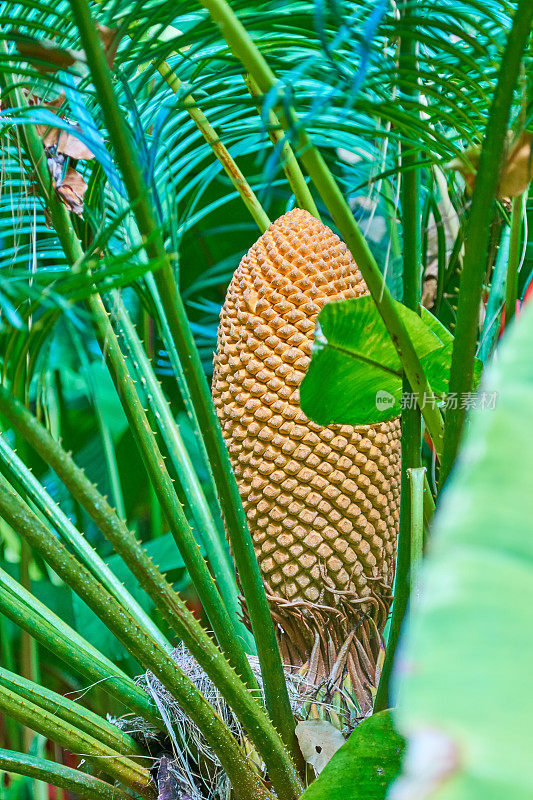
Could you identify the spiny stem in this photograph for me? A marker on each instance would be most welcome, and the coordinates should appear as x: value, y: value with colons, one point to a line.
x: 243, y: 776
x: 69, y: 533
x: 29, y: 614
x: 168, y: 602
x: 79, y: 783
x: 67, y: 735
x: 207, y: 531
x: 70, y: 712
x: 153, y: 459
x: 276, y: 694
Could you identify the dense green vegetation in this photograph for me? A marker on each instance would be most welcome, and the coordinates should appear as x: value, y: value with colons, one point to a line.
x: 145, y: 146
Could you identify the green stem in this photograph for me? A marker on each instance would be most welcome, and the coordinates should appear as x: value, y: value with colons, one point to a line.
x: 206, y: 529
x: 288, y: 160
x: 25, y: 611
x: 478, y: 229
x: 28, y: 647
x: 213, y: 140
x: 70, y: 534
x: 391, y: 219
x: 170, y: 504
x: 168, y: 602
x: 275, y: 687
x: 246, y: 51
x: 411, y: 418
x: 496, y: 301
x: 243, y: 776
x: 79, y: 783
x: 511, y: 295
x: 429, y: 503
x: 70, y: 712
x: 12, y: 733
x: 105, y: 758
x: 416, y: 482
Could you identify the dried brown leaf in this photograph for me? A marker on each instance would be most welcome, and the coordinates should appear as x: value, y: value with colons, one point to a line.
x: 57, y: 102
x: 71, y: 146
x: 319, y: 740
x: 43, y: 54
x: 71, y: 190
x: 66, y: 143
x: 110, y: 38
x: 518, y: 171
x: 46, y: 56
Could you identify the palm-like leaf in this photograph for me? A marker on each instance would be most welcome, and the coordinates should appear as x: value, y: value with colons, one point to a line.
x: 338, y: 65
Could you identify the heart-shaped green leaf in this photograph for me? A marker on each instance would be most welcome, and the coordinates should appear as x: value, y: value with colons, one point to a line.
x: 355, y: 375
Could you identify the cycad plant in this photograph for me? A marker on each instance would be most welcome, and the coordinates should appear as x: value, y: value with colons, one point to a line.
x: 382, y: 153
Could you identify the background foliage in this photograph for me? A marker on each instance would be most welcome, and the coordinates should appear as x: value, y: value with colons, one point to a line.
x: 373, y: 116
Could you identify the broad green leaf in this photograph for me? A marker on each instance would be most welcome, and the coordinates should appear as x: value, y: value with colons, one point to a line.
x: 464, y: 676
x: 436, y: 326
x: 355, y: 376
x: 364, y: 767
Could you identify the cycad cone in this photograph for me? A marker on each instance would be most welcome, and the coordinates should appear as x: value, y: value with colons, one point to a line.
x: 322, y: 503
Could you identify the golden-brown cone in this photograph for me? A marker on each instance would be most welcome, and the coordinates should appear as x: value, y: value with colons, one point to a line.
x: 322, y: 503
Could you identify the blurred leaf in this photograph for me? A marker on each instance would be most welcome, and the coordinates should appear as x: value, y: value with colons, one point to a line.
x: 469, y: 634
x: 364, y: 767
x: 516, y: 173
x: 56, y: 597
x: 46, y: 55
x: 163, y: 552
x: 20, y: 788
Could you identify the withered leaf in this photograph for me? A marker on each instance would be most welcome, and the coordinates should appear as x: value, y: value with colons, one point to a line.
x: 65, y: 142
x: 319, y: 740
x: 57, y: 102
x: 71, y: 190
x: 110, y: 38
x: 517, y: 171
x: 45, y: 55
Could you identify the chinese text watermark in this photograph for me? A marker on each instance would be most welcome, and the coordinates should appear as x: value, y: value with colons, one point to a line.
x: 470, y: 401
